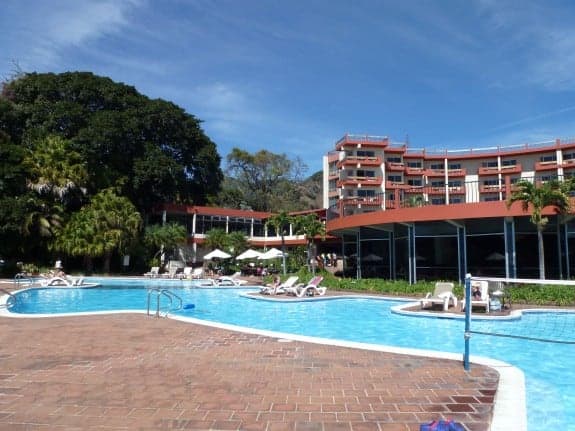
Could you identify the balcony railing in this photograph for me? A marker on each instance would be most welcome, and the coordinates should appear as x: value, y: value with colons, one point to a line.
x: 546, y: 166
x: 404, y: 196
x: 359, y: 161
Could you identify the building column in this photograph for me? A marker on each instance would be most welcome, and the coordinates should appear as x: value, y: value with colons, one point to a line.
x: 358, y: 252
x: 411, y: 252
x: 461, y: 253
x: 510, y: 258
x: 391, y: 248
x: 563, y: 246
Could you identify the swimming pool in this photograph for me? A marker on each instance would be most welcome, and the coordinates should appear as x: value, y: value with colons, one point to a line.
x: 550, y: 376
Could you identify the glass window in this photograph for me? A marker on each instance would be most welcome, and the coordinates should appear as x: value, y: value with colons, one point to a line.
x: 511, y: 162
x: 569, y: 156
x: 455, y: 166
x: 364, y: 153
x: 415, y: 182
x: 365, y: 193
x: 362, y: 173
x: 437, y: 166
x: 548, y: 158
x: 492, y: 182
x: 489, y: 164
x: 414, y: 165
x: 394, y: 178
x: 455, y: 183
x: 437, y: 184
x: 437, y: 201
x: 394, y: 159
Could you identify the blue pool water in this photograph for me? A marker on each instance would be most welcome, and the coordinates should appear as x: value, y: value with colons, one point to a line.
x: 549, y: 367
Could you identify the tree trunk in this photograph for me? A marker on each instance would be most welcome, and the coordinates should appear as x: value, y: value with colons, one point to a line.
x: 284, y: 256
x: 107, y: 259
x: 541, y: 249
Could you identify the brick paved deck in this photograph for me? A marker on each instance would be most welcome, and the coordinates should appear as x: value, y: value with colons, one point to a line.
x: 133, y: 372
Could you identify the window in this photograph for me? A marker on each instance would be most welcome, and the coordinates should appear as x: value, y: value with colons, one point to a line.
x: 454, y: 183
x: 437, y: 184
x: 548, y: 158
x: 362, y: 173
x: 489, y: 164
x: 455, y: 200
x: 394, y: 159
x: 437, y: 166
x: 415, y: 182
x: 437, y: 201
x: 493, y: 182
x: 395, y: 178
x: 365, y: 193
x: 414, y: 165
x: 511, y: 162
x: 454, y: 166
x: 489, y: 198
x: 364, y: 153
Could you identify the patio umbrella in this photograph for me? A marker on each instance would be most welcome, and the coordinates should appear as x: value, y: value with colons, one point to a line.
x: 272, y: 253
x: 217, y: 254
x: 495, y: 256
x: 372, y: 258
x: 249, y: 254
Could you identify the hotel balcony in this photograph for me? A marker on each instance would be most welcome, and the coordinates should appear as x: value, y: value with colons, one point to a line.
x: 505, y: 170
x: 333, y: 193
x: 414, y: 171
x: 457, y: 172
x: 569, y: 163
x: 375, y: 201
x: 491, y: 188
x: 359, y: 161
x: 394, y: 166
x: 396, y: 185
x: 435, y: 190
x: 360, y: 181
x: 546, y: 166
x: 456, y: 190
x: 414, y: 190
x: 435, y: 172
x: 362, y: 141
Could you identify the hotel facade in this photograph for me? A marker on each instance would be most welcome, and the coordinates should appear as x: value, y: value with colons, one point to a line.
x: 419, y: 214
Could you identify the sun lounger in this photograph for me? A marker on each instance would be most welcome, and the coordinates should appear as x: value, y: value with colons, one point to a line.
x: 280, y: 288
x: 312, y: 288
x: 154, y: 272
x: 443, y: 294
x: 481, y: 300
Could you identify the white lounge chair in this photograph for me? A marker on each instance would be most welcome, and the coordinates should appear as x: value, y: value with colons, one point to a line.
x: 154, y: 272
x: 442, y: 294
x: 198, y: 273
x: 186, y: 273
x: 312, y: 288
x: 281, y: 288
x: 483, y: 300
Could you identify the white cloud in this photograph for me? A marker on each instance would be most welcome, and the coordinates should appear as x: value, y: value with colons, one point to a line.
x: 48, y: 29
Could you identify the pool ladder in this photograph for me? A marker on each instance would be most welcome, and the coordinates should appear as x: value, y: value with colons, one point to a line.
x: 159, y: 293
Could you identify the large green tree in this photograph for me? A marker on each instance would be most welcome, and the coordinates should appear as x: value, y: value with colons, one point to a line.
x: 263, y: 181
x: 536, y: 197
x: 165, y: 238
x: 152, y: 148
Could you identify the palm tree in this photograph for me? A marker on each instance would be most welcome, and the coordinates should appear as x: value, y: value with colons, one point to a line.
x: 537, y: 197
x: 280, y: 223
x: 166, y: 237
x: 110, y: 222
x: 310, y: 226
x: 216, y: 238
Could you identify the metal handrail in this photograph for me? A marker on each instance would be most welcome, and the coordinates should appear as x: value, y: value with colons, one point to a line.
x: 168, y: 294
x: 21, y: 277
x: 11, y: 297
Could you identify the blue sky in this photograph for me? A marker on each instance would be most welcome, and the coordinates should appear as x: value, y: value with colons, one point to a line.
x: 295, y: 76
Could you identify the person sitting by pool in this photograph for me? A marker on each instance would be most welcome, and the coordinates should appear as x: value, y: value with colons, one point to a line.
x: 476, y: 292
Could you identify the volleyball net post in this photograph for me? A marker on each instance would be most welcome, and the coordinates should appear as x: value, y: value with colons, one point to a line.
x: 467, y: 333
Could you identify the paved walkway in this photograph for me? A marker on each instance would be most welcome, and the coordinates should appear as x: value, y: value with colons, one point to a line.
x: 133, y: 372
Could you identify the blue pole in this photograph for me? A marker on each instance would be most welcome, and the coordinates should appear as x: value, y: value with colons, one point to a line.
x: 467, y: 334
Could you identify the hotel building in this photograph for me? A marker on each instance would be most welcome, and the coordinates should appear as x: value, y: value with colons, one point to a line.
x: 412, y: 213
